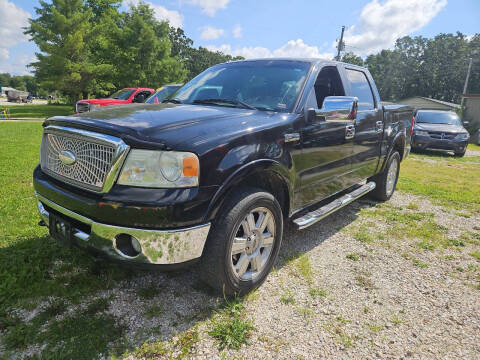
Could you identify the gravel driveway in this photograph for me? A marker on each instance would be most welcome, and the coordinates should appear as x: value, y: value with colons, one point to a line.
x: 348, y: 287
x: 384, y: 298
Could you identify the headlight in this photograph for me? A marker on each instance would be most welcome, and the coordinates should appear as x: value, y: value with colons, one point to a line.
x: 421, y: 133
x: 94, y: 107
x: 463, y: 136
x: 160, y: 169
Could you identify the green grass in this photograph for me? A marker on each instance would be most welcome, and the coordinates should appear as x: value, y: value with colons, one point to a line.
x: 148, y: 292
x: 37, y: 111
x: 419, y: 264
x: 474, y: 147
x: 352, y: 256
x: 288, y: 297
x: 405, y: 224
x: 230, y: 327
x: 448, y: 181
x: 304, y: 267
x: 363, y: 235
x: 34, y: 267
x: 316, y: 292
x: 154, y: 311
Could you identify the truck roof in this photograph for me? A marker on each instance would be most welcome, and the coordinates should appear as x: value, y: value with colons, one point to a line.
x: 307, y: 60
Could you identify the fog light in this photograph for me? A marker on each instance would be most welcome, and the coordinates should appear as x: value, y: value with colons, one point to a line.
x: 136, y: 245
x: 127, y: 245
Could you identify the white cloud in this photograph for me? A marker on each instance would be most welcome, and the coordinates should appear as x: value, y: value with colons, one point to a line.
x: 18, y: 65
x: 381, y: 23
x: 211, y: 33
x: 293, y: 48
x: 163, y: 14
x: 210, y: 7
x: 12, y: 20
x: 237, y: 31
x: 470, y: 37
x: 4, y: 54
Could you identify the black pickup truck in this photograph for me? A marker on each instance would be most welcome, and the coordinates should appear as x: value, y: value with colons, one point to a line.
x: 215, y: 172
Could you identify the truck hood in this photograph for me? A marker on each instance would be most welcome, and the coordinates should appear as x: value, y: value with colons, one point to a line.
x: 181, y: 127
x: 440, y: 128
x: 104, y: 102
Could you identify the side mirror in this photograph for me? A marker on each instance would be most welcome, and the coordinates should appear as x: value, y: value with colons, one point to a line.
x: 466, y: 123
x: 334, y: 108
x: 339, y: 108
x: 140, y: 98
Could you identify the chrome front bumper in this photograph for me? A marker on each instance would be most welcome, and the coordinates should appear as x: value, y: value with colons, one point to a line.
x: 162, y: 247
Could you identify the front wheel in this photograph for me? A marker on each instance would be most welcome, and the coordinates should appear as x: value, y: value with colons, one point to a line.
x: 387, y: 180
x: 460, y: 154
x: 243, y: 243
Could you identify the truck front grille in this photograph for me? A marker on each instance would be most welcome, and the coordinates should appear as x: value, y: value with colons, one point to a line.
x: 83, y: 107
x: 80, y: 159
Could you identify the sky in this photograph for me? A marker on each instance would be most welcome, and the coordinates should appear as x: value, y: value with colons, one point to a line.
x: 268, y: 28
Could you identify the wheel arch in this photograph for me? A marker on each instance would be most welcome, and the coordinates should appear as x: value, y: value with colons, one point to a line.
x: 266, y: 174
x: 398, y: 143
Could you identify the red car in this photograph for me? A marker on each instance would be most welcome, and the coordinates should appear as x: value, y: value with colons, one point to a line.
x: 121, y: 97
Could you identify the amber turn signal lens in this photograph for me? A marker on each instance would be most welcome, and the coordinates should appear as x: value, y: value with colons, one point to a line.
x: 190, y: 166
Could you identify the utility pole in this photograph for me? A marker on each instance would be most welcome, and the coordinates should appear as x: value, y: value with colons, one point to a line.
x: 466, y: 80
x: 340, y: 45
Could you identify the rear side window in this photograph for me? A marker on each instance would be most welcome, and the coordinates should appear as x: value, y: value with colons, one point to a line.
x: 361, y: 89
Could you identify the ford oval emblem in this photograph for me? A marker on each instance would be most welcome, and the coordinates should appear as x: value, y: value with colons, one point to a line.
x: 67, y: 157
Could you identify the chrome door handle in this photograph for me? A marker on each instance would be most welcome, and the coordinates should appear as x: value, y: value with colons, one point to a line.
x: 349, y: 132
x: 293, y: 137
x: 379, y: 126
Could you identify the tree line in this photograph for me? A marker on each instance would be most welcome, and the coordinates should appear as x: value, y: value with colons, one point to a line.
x: 20, y: 82
x: 419, y: 66
x: 91, y: 48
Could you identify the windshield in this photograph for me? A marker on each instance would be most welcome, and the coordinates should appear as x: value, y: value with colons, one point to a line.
x: 123, y: 94
x: 263, y: 84
x: 437, y: 117
x: 162, y: 94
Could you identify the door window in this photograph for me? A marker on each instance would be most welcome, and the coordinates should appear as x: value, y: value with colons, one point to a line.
x: 328, y: 83
x: 361, y: 89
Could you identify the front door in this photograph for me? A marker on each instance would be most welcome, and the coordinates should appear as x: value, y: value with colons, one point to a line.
x: 324, y: 163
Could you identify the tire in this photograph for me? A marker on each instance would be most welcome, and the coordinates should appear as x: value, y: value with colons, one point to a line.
x: 231, y: 230
x: 461, y: 154
x: 386, y: 184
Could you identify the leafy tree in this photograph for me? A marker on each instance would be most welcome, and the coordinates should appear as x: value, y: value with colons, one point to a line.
x: 5, y: 79
x: 433, y: 68
x: 385, y: 69
x: 180, y: 43
x: 140, y: 50
x: 17, y: 82
x: 63, y: 31
x: 351, y: 58
x: 195, y: 60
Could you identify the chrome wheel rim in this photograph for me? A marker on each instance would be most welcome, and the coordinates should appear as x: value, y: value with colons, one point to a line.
x: 392, y: 176
x: 253, y: 244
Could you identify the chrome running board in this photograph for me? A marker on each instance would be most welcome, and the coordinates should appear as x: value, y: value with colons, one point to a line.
x: 316, y: 215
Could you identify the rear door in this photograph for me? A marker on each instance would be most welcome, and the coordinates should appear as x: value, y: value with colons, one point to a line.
x: 368, y: 124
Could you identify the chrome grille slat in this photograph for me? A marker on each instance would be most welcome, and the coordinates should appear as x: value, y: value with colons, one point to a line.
x: 98, y: 157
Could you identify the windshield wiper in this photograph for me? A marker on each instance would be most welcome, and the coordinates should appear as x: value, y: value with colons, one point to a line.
x: 174, y: 101
x: 226, y: 101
